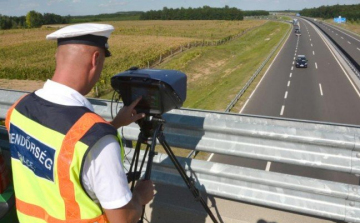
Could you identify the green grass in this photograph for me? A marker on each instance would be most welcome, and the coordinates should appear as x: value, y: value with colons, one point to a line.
x: 26, y: 55
x: 217, y: 73
x: 352, y: 26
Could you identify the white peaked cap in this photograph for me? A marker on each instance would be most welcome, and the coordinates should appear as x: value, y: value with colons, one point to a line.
x: 86, y: 33
x: 82, y: 29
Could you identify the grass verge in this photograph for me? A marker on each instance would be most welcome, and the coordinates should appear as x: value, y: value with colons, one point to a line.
x: 217, y: 73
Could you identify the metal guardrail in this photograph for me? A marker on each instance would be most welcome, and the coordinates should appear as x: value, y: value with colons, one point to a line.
x: 313, y: 144
x: 350, y: 64
x: 248, y: 83
x: 340, y: 28
x: 344, y: 55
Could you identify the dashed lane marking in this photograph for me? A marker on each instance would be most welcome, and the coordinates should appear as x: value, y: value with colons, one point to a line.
x: 282, y: 110
x: 321, y: 92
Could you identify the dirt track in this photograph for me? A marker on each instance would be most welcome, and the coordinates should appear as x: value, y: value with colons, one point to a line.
x: 21, y: 85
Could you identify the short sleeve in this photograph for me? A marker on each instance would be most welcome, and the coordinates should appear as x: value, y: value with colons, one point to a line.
x: 103, y: 174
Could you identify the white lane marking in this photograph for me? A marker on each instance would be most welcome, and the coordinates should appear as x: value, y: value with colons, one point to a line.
x: 288, y: 84
x: 295, y: 54
x: 282, y: 110
x: 345, y: 34
x: 210, y: 157
x: 293, y: 62
x: 342, y: 68
x: 292, y: 67
x: 286, y: 93
x: 336, y: 34
x: 310, y: 39
x: 295, y: 57
x: 342, y: 37
x: 311, y: 45
x: 313, y: 52
x: 316, y: 65
x: 290, y: 75
x: 358, y: 48
x: 349, y: 42
x: 242, y: 109
x: 268, y: 164
x: 321, y: 92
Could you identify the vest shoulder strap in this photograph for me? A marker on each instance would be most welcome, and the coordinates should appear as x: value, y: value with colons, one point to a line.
x: 8, y: 115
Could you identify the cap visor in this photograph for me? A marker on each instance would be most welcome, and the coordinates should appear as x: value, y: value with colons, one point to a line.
x: 107, y: 53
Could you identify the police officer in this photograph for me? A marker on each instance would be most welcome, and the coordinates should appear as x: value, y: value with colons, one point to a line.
x: 67, y: 160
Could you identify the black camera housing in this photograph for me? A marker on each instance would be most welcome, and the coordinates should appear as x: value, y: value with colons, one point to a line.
x: 161, y: 90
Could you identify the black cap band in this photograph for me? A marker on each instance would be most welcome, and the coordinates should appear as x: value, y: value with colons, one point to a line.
x: 92, y: 40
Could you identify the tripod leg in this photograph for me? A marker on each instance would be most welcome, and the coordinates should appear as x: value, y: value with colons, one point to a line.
x: 189, y: 183
x: 152, y: 153
x: 132, y: 175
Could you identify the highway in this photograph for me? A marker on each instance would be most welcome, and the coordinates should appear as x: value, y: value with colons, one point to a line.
x: 350, y: 42
x: 321, y: 92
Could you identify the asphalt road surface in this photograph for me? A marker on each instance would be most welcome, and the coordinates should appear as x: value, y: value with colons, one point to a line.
x: 321, y: 92
x: 350, y: 42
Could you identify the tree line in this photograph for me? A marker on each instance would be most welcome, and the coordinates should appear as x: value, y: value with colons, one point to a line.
x: 256, y: 13
x: 35, y: 19
x: 201, y: 13
x: 350, y: 12
x: 32, y: 19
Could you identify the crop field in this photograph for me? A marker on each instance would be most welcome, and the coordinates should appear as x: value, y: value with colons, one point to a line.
x: 215, y: 72
x: 26, y: 55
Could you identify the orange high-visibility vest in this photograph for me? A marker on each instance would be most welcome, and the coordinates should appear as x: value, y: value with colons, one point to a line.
x: 48, y: 144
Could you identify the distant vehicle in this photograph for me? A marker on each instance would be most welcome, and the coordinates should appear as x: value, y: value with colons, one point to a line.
x: 297, y: 32
x: 301, y: 61
x: 295, y: 22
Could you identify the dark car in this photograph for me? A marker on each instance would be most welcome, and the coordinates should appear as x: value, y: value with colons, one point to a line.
x: 301, y: 61
x: 297, y: 32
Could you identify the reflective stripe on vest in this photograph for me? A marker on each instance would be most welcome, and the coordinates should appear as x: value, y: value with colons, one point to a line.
x: 40, y: 213
x: 71, y: 209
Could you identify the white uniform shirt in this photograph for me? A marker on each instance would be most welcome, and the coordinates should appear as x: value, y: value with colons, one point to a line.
x: 103, y: 176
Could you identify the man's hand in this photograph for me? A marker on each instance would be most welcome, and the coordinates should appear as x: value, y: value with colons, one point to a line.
x: 143, y: 193
x: 127, y: 115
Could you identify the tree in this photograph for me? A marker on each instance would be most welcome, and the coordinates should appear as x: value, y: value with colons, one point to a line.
x: 34, y: 19
x: 201, y: 13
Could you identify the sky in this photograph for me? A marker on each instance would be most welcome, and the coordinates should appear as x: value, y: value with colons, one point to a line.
x: 94, y: 7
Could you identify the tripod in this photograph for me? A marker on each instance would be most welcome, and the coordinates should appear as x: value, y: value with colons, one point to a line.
x: 152, y: 130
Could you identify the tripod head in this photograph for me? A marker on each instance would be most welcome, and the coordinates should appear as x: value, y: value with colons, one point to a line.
x: 148, y: 124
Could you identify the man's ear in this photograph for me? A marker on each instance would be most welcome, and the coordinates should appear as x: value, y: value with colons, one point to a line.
x: 95, y: 58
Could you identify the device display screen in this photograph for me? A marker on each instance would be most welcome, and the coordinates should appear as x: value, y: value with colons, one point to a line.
x: 150, y: 97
